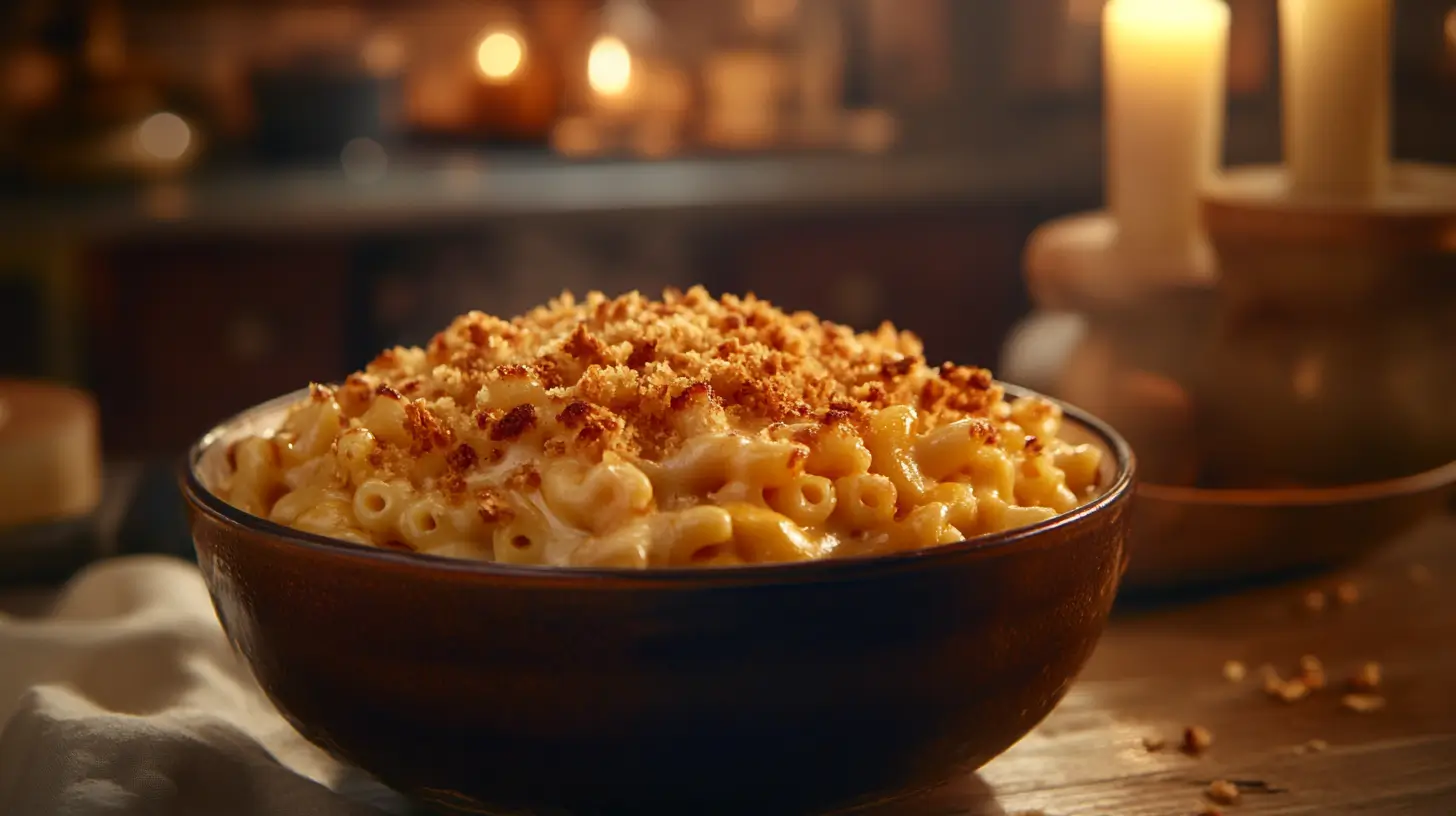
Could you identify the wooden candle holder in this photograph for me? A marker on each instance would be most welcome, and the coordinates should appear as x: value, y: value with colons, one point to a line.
x: 1291, y: 393
x: 1143, y: 337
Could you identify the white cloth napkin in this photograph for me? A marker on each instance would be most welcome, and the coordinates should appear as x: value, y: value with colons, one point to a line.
x: 127, y: 699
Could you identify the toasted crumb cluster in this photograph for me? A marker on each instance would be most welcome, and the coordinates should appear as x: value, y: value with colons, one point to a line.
x: 1312, y: 672
x: 1223, y: 792
x: 1367, y: 677
x: 1363, y: 703
x: 1312, y: 746
x: 1196, y: 740
x: 1234, y: 671
x: 626, y: 370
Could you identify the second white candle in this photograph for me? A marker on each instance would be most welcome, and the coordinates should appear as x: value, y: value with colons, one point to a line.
x: 1336, y: 58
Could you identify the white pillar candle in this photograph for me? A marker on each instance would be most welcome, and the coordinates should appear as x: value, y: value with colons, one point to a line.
x: 1336, y: 64
x: 1164, y: 65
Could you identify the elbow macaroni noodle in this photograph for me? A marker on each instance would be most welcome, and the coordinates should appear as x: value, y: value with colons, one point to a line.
x: 683, y: 432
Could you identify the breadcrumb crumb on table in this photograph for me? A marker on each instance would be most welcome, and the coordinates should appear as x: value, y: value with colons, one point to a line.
x: 1196, y: 740
x: 1291, y: 691
x: 1234, y: 671
x: 1223, y: 792
x: 1367, y: 677
x: 1314, y: 746
x: 1312, y: 672
x: 1363, y: 703
x: 1270, y: 679
x: 1154, y: 744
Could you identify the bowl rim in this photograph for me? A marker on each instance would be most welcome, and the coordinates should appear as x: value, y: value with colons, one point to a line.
x: 1426, y: 481
x: 203, y: 500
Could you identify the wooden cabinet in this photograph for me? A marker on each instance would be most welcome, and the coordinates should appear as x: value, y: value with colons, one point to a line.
x: 185, y: 334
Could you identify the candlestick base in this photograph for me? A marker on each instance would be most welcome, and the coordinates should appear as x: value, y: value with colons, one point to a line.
x: 1291, y: 395
x: 1137, y: 343
x: 1079, y: 263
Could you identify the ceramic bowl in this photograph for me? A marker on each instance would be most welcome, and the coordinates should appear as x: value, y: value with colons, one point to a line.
x: 795, y: 688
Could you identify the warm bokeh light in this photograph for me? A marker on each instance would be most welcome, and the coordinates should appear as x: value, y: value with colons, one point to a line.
x: 30, y: 78
x: 1451, y: 29
x: 164, y: 136
x: 1196, y: 13
x: 609, y: 66
x: 364, y: 161
x: 499, y: 55
x: 770, y: 15
x: 871, y: 130
x: 383, y: 54
x: 576, y: 136
x: 666, y: 91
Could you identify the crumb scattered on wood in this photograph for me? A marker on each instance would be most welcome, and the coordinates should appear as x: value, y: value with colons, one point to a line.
x: 1347, y: 593
x: 1209, y: 810
x: 1363, y: 703
x: 1223, y: 792
x: 1196, y: 740
x: 1269, y: 677
x: 1234, y: 671
x: 1312, y: 672
x: 1291, y: 691
x: 1314, y: 600
x: 1314, y: 746
x: 1154, y: 744
x: 1367, y: 677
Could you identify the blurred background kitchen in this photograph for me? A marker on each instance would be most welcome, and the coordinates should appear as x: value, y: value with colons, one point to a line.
x: 204, y: 204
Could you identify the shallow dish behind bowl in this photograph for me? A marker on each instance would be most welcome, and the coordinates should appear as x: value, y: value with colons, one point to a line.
x: 1188, y: 538
x: 752, y: 690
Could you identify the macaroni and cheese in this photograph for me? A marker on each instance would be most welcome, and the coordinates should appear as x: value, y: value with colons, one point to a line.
x: 636, y: 433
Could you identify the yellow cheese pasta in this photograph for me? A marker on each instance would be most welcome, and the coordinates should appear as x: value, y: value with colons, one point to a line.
x: 690, y: 431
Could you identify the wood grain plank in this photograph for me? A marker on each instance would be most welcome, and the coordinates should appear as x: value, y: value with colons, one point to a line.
x: 1159, y: 670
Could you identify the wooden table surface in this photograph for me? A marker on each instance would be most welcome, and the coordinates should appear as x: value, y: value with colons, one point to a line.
x: 1159, y: 670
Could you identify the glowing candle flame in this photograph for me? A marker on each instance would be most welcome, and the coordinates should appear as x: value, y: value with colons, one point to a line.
x: 499, y: 55
x: 165, y: 136
x: 609, y: 66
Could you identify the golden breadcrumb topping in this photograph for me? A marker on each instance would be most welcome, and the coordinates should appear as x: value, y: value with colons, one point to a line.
x: 637, y: 376
x: 682, y: 432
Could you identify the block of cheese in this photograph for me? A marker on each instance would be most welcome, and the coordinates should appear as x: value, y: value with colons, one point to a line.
x: 50, y: 453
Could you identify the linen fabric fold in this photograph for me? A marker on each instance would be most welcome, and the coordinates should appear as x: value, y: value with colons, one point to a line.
x: 127, y: 699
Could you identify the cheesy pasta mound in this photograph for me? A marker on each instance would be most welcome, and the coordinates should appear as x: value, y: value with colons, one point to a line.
x: 689, y: 431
